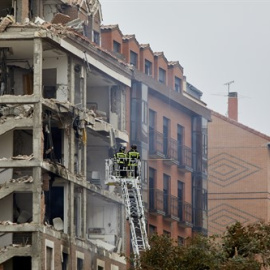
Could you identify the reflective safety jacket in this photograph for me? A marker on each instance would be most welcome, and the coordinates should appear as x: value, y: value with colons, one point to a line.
x: 133, y: 157
x: 120, y: 158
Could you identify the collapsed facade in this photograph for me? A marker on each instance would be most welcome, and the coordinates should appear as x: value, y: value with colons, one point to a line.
x: 67, y: 100
x: 62, y: 99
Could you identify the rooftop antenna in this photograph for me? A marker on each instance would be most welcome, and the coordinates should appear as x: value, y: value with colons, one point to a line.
x: 228, y: 84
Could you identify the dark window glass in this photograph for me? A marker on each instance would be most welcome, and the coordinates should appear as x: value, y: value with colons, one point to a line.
x: 177, y: 84
x: 162, y: 75
x: 166, y: 192
x: 133, y: 58
x: 152, y: 173
x: 116, y: 47
x: 165, y: 135
x: 180, y: 195
x: 148, y: 67
x: 96, y: 37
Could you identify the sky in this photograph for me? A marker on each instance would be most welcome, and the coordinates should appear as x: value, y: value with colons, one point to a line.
x: 215, y: 41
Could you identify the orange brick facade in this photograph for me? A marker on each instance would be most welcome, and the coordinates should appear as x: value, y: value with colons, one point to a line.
x: 163, y: 107
x: 238, y: 174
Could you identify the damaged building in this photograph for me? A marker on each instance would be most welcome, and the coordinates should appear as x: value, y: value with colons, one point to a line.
x: 71, y: 92
x: 62, y: 109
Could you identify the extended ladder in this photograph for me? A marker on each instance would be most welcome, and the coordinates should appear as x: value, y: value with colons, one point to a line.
x: 131, y: 193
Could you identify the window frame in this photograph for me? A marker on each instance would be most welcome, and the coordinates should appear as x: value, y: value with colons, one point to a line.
x: 133, y: 58
x: 162, y: 75
x: 148, y: 67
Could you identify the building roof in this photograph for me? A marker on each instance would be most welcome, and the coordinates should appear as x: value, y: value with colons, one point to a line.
x: 242, y: 126
x: 175, y: 63
x: 160, y: 54
x: 128, y: 37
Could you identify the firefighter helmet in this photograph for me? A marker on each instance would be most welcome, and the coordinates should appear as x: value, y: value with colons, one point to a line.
x: 134, y: 146
x: 122, y: 148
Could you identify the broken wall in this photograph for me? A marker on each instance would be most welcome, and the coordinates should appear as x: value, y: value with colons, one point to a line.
x: 61, y: 66
x: 23, y: 142
x: 6, y: 206
x: 95, y: 161
x: 103, y: 220
x: 6, y: 146
x: 98, y: 100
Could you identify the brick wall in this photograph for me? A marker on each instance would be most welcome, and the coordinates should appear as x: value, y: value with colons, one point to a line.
x: 238, y: 174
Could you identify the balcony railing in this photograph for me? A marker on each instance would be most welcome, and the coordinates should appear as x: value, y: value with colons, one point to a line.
x: 200, y: 220
x: 170, y: 151
x: 170, y: 207
x: 185, y: 214
x: 156, y: 144
x: 185, y: 158
x: 156, y: 204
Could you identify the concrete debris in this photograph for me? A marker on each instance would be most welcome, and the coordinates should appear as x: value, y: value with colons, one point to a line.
x: 58, y: 224
x: 7, y: 222
x: 23, y: 157
x: 23, y: 179
x: 5, y: 22
x: 60, y: 18
x: 101, y: 244
x: 24, y: 217
x: 17, y: 110
x: 38, y: 21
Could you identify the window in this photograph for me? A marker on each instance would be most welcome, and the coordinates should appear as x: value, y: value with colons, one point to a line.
x: 49, y: 255
x: 79, y: 264
x: 162, y: 75
x: 180, y: 241
x: 144, y: 112
x: 166, y: 193
x: 166, y: 122
x: 152, y: 173
x: 180, y: 142
x: 167, y: 233
x: 49, y: 258
x: 100, y: 265
x: 177, y: 84
x: 96, y: 37
x: 116, y: 47
x: 64, y: 261
x: 152, y: 229
x: 152, y: 121
x: 180, y: 196
x: 133, y: 58
x: 79, y: 260
x: 148, y: 67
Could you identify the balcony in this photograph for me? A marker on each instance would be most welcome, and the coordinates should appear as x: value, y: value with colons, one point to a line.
x: 200, y: 220
x: 156, y: 205
x: 185, y: 214
x: 172, y: 153
x: 170, y: 207
x: 156, y: 150
x: 185, y: 158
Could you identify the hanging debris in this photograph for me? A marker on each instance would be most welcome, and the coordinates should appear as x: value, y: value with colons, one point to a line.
x: 5, y: 22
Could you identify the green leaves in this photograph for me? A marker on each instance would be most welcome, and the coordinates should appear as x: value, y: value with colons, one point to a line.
x: 240, y: 247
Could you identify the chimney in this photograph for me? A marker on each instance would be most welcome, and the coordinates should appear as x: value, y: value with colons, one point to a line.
x: 233, y: 106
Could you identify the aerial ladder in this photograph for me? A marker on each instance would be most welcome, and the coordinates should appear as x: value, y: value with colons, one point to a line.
x: 132, y: 197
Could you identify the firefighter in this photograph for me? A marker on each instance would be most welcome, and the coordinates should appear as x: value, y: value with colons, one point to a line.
x: 120, y: 158
x: 133, y: 157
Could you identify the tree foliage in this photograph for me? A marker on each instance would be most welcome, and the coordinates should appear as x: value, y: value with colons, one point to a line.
x: 240, y: 247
